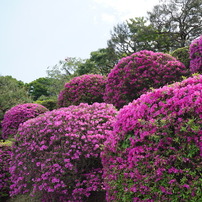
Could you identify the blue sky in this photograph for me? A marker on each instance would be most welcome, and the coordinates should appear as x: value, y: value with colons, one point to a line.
x: 36, y: 34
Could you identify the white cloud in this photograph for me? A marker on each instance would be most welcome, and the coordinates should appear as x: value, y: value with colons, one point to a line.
x: 108, y: 18
x: 126, y: 9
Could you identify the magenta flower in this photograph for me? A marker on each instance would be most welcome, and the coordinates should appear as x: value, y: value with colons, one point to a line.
x: 83, y: 89
x: 154, y: 150
x: 60, y: 152
x: 19, y: 114
x: 195, y: 53
x: 138, y: 73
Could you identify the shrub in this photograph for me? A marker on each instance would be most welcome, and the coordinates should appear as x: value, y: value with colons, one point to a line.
x: 83, y: 89
x: 195, y: 51
x: 182, y: 54
x: 58, y: 153
x: 5, y: 182
x: 136, y: 74
x: 49, y: 103
x: 154, y: 152
x: 17, y: 115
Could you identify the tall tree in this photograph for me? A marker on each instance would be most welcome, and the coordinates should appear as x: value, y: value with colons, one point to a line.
x: 179, y: 21
x: 62, y: 73
x: 12, y: 92
x: 40, y: 87
x: 135, y: 35
x: 100, y: 62
x: 65, y: 69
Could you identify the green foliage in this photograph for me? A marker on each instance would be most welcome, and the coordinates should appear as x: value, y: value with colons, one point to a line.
x: 40, y: 87
x: 12, y: 92
x: 132, y: 36
x: 88, y: 67
x: 49, y: 103
x: 182, y: 54
x: 7, y: 142
x: 61, y: 73
x: 100, y: 62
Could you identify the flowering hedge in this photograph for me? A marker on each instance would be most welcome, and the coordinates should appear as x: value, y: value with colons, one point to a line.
x: 155, y: 150
x: 83, y: 89
x: 195, y: 52
x: 136, y: 74
x: 17, y: 115
x: 58, y: 153
x: 5, y: 182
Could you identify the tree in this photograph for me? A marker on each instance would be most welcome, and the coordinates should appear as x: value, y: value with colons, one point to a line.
x: 12, y: 92
x: 135, y: 35
x: 100, y: 62
x: 40, y: 87
x: 177, y: 21
x: 62, y: 73
x: 104, y: 60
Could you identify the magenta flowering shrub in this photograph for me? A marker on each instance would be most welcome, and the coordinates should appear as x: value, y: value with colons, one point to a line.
x: 5, y: 182
x: 83, y: 89
x: 17, y: 115
x: 155, y: 150
x: 195, y: 53
x: 58, y: 153
x: 136, y: 74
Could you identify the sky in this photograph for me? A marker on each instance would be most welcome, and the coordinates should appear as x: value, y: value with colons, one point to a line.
x: 37, y: 34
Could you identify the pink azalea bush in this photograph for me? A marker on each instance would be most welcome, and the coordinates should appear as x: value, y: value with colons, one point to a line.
x: 136, y: 74
x: 155, y: 150
x: 5, y: 182
x: 17, y: 115
x: 83, y: 89
x: 58, y: 154
x: 195, y: 53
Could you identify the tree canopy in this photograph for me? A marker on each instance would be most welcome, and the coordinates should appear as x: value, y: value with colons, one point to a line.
x: 100, y: 62
x: 178, y: 21
x: 170, y: 25
x: 12, y: 92
x: 132, y: 36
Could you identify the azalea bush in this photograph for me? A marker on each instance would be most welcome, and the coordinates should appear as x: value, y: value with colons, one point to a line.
x: 83, y: 89
x: 155, y: 150
x: 136, y: 74
x: 5, y: 182
x: 58, y: 154
x: 17, y: 115
x: 195, y: 51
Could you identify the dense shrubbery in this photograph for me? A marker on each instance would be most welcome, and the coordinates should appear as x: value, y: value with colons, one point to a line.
x: 50, y: 104
x: 17, y: 115
x: 5, y: 182
x: 58, y: 154
x: 83, y: 89
x: 155, y: 150
x: 136, y: 74
x: 182, y: 54
x: 195, y: 51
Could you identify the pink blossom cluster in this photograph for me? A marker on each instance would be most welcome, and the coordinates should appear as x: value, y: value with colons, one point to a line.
x: 83, y: 89
x: 195, y: 52
x: 136, y: 74
x: 17, y: 115
x: 58, y: 153
x: 5, y: 156
x: 155, y: 150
